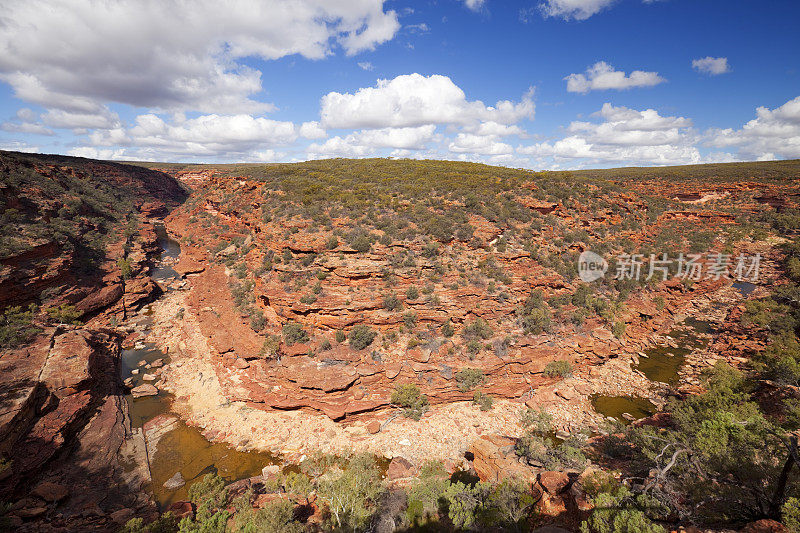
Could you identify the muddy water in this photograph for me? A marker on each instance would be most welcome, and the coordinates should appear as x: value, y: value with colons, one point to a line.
x: 660, y: 363
x: 616, y: 406
x: 183, y: 449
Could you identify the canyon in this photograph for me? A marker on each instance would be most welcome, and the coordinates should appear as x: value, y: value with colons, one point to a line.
x: 275, y: 310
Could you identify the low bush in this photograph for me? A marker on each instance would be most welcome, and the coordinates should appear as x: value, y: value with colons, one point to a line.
x: 469, y: 378
x: 559, y: 369
x: 294, y: 333
x: 413, y: 402
x: 484, y: 401
x: 361, y: 336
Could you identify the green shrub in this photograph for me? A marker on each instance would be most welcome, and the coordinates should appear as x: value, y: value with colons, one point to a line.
x: 271, y: 347
x: 361, y: 244
x: 411, y: 399
x: 65, y: 314
x: 484, y: 401
x: 352, y: 496
x: 410, y: 319
x: 16, y: 326
x: 447, y: 329
x: 477, y: 329
x: 469, y: 378
x: 391, y: 302
x: 412, y: 293
x: 361, y: 336
x: 294, y: 333
x: 210, y: 497
x: 561, y: 369
x: 339, y: 336
x: 125, y: 269
x: 618, y: 329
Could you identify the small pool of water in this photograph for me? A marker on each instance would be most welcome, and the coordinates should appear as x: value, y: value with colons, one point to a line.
x: 662, y: 363
x: 745, y: 287
x: 186, y: 450
x: 615, y: 406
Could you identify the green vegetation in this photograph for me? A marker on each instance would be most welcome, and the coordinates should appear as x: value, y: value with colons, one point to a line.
x: 361, y: 336
x: 16, y: 326
x: 293, y: 333
x: 560, y: 369
x: 413, y: 402
x: 537, y: 449
x: 484, y: 401
x: 125, y: 269
x: 476, y: 330
x: 64, y: 314
x: 351, y: 497
x: 469, y: 378
x: 535, y: 315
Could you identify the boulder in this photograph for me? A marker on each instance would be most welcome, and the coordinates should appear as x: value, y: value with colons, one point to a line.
x: 51, y: 492
x: 144, y: 390
x: 400, y: 467
x: 182, y: 509
x: 553, y: 482
x: 121, y: 516
x: 765, y: 526
x: 270, y: 471
x: 175, y: 482
x: 373, y: 427
x: 494, y: 460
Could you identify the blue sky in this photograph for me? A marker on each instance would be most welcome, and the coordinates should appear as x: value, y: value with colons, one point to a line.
x: 582, y: 83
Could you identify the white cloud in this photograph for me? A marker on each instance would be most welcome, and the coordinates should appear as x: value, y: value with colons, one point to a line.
x: 493, y: 128
x: 573, y: 9
x: 18, y: 146
x: 366, y: 65
x: 232, y: 137
x: 104, y: 119
x: 369, y: 142
x: 26, y: 121
x: 77, y: 55
x: 773, y: 134
x: 413, y: 100
x: 474, y: 5
x: 479, y: 144
x: 711, y: 65
x: 312, y: 130
x: 602, y: 76
x: 624, y: 136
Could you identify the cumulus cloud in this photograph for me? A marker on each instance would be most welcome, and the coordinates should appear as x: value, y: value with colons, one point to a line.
x: 602, y: 76
x: 164, y: 54
x: 312, y: 130
x: 573, y: 9
x: 626, y: 136
x: 414, y: 100
x: 773, y: 134
x: 368, y: 142
x: 479, y: 144
x: 25, y: 121
x: 209, y: 136
x: 711, y: 65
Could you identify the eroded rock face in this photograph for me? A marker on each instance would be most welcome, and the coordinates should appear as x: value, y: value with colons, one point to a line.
x: 73, y: 460
x: 282, y: 267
